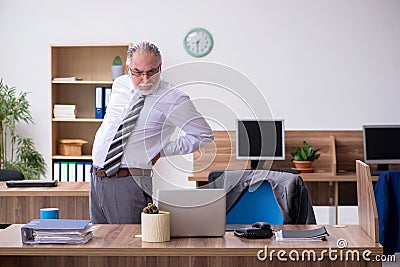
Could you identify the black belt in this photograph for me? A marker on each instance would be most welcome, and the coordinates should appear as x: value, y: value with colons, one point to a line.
x: 122, y: 172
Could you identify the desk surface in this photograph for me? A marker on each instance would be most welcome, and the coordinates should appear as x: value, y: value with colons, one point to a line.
x: 62, y: 189
x: 120, y: 240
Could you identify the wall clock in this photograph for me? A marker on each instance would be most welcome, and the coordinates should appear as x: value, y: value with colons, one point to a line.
x: 198, y: 42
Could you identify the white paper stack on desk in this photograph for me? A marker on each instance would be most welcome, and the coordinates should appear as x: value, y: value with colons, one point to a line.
x: 57, y: 231
x: 318, y: 234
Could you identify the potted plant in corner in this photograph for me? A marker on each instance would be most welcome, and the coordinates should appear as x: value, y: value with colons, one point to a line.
x: 117, y: 69
x: 16, y: 152
x: 303, y: 157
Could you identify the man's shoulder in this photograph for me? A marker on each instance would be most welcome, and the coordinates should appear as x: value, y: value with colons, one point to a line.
x: 168, y: 90
x: 122, y: 82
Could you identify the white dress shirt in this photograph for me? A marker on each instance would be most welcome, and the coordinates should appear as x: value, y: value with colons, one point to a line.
x: 164, y: 110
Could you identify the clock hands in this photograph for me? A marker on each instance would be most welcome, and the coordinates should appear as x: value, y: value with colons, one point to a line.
x: 197, y: 45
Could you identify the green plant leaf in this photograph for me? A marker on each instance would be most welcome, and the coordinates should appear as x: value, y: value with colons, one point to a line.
x: 306, y: 152
x: 17, y: 153
x: 306, y: 146
x: 117, y: 61
x: 303, y: 154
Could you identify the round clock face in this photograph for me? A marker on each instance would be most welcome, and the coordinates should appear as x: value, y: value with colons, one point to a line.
x: 198, y: 42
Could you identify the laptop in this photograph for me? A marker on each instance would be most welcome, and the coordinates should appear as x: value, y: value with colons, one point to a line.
x: 31, y: 183
x: 194, y: 212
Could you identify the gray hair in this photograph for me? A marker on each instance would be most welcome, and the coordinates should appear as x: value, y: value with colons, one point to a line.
x: 143, y: 48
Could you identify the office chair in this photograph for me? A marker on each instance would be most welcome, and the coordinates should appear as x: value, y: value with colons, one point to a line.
x: 256, y: 206
x: 215, y: 179
x: 8, y: 175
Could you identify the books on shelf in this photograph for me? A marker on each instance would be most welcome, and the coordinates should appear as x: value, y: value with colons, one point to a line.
x: 72, y: 171
x: 57, y: 231
x: 318, y: 234
x: 64, y: 111
x: 102, y: 97
x: 67, y: 79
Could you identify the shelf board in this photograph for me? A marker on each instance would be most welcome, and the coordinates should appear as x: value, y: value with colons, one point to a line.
x: 91, y: 45
x: 78, y: 120
x: 83, y: 157
x: 82, y: 82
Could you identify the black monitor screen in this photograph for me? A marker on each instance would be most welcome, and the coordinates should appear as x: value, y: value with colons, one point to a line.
x: 381, y: 144
x: 260, y: 140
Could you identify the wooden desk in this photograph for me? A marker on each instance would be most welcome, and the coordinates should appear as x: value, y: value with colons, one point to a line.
x: 116, y: 245
x: 20, y: 205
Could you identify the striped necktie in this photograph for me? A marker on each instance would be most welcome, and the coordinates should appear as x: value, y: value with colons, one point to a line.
x: 114, y: 154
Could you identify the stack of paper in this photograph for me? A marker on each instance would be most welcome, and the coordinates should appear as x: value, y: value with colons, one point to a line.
x: 57, y: 231
x: 318, y: 234
x: 64, y: 111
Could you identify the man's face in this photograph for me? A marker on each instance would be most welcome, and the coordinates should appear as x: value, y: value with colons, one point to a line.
x: 144, y: 71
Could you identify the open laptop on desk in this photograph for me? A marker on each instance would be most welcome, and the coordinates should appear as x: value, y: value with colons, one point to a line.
x: 194, y: 212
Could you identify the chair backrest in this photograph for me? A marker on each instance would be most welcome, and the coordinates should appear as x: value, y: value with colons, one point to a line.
x: 213, y: 177
x: 367, y: 212
x: 256, y: 206
x: 259, y: 205
x: 8, y: 175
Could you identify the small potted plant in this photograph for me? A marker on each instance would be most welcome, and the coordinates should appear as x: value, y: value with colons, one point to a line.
x: 117, y: 69
x: 155, y: 224
x: 303, y: 157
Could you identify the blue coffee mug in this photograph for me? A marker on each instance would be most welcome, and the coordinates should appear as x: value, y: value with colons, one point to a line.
x: 49, y: 213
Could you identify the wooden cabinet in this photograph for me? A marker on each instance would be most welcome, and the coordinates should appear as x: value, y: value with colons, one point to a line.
x: 92, y: 65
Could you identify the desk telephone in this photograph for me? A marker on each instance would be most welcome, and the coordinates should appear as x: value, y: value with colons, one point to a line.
x: 257, y: 230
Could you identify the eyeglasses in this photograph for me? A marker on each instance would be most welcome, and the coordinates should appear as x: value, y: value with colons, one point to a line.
x: 148, y: 73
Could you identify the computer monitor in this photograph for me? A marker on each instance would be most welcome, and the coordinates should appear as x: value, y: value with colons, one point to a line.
x: 260, y: 140
x: 381, y: 145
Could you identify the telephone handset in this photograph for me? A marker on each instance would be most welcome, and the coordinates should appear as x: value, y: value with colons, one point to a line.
x: 257, y: 230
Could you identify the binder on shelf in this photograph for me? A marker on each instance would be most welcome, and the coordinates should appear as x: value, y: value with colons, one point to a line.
x: 61, y: 231
x: 64, y: 171
x: 72, y: 171
x: 56, y: 170
x: 107, y: 94
x: 80, y: 174
x: 99, y: 102
x: 88, y: 175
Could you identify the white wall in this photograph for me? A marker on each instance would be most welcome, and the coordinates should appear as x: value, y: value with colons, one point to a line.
x: 330, y: 64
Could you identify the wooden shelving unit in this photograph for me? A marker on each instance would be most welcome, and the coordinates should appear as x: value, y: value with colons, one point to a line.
x: 92, y: 63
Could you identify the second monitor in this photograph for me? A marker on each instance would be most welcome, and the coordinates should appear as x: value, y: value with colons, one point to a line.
x: 259, y: 140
